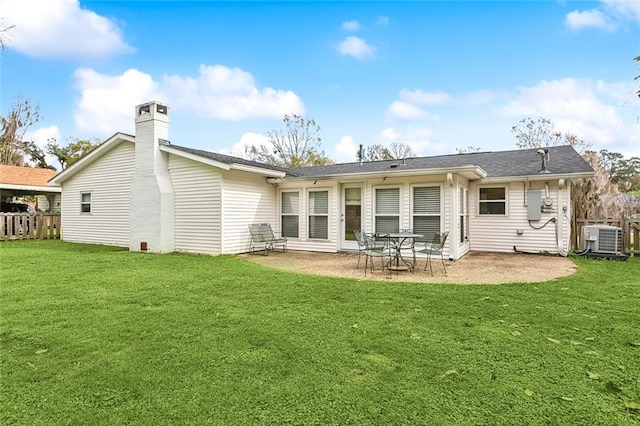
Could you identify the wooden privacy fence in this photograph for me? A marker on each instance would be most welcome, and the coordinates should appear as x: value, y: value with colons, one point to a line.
x: 630, y: 232
x: 29, y: 226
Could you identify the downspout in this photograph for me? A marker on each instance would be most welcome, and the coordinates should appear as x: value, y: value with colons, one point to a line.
x: 559, y: 224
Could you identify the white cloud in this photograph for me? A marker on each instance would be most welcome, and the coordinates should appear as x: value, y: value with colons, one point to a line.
x: 61, y: 29
x: 405, y: 111
x: 587, y: 19
x: 625, y: 9
x: 41, y: 136
x: 246, y: 140
x: 107, y: 103
x: 345, y: 151
x: 356, y: 47
x: 229, y: 94
x: 424, y: 98
x: 410, y: 104
x: 419, y: 138
x: 611, y: 15
x: 350, y: 25
x: 592, y: 110
x: 383, y: 21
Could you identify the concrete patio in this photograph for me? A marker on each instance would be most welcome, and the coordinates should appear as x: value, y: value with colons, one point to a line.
x: 474, y: 268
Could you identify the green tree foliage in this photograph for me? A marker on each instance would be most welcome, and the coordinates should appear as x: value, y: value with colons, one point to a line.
x: 75, y: 149
x: 13, y: 148
x: 37, y: 157
x: 396, y: 150
x: 295, y: 145
x: 539, y: 133
x: 624, y: 172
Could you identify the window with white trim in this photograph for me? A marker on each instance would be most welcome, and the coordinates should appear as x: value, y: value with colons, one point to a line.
x: 387, y: 210
x: 426, y: 211
x: 289, y: 215
x: 319, y: 214
x: 493, y: 201
x: 85, y: 202
x: 463, y: 209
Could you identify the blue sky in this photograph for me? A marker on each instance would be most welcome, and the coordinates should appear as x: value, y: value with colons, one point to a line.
x: 436, y: 75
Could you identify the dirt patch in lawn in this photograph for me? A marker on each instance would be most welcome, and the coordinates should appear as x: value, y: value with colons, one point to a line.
x: 473, y: 268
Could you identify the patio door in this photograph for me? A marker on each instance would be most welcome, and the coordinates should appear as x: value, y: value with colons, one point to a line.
x: 351, y: 216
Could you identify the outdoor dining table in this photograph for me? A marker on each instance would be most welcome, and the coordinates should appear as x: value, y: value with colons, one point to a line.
x: 399, y: 263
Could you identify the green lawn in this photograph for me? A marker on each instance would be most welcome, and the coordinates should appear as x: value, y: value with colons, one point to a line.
x: 98, y: 335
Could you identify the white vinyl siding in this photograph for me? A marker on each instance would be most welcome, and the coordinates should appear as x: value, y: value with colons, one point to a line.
x: 246, y: 198
x: 426, y: 210
x: 290, y: 214
x: 197, y: 204
x: 499, y: 233
x: 319, y: 214
x: 108, y: 222
x: 387, y: 210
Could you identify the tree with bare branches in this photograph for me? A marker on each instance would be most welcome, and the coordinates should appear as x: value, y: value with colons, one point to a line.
x: 539, y: 133
x: 22, y: 115
x: 296, y: 145
x: 396, y: 150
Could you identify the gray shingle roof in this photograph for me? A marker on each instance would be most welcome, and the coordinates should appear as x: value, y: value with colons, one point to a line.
x: 228, y: 159
x: 520, y: 162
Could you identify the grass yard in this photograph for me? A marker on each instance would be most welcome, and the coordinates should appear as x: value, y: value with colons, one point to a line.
x: 98, y: 335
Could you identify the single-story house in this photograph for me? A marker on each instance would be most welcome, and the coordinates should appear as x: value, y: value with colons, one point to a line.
x: 147, y: 193
x: 30, y: 185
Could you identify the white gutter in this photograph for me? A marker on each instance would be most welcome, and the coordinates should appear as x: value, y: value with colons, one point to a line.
x: 258, y: 170
x: 537, y: 178
x: 399, y: 171
x: 33, y: 188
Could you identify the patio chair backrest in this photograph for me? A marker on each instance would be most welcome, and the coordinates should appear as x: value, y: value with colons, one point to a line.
x: 439, y: 239
x: 360, y: 238
x: 261, y: 232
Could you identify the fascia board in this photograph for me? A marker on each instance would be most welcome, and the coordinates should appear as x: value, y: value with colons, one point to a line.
x: 34, y: 188
x: 258, y: 170
x: 537, y: 178
x: 101, y: 150
x: 475, y: 172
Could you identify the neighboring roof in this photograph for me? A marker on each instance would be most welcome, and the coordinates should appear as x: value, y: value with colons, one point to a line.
x: 563, y: 160
x: 25, y: 178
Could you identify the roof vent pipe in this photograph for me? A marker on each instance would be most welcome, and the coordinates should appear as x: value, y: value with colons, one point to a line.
x: 360, y: 154
x: 544, y: 156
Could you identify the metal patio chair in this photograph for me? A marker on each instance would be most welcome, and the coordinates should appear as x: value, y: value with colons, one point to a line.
x: 263, y: 238
x: 377, y: 247
x: 435, y: 248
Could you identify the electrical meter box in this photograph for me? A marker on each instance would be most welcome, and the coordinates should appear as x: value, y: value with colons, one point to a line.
x: 534, y: 202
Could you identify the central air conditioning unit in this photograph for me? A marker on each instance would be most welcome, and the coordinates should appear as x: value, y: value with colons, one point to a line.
x: 604, y: 239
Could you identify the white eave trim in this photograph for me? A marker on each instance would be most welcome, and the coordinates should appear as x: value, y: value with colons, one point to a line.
x: 470, y: 172
x: 258, y: 170
x: 194, y: 157
x: 101, y: 150
x: 33, y: 188
x: 537, y: 178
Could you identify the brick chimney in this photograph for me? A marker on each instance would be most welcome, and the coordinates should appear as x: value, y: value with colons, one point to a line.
x: 152, y: 200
